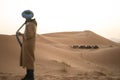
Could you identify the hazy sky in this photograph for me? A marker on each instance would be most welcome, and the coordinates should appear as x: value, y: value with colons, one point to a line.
x: 100, y: 16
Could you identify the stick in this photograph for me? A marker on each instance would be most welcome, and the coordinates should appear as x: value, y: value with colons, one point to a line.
x: 17, y: 35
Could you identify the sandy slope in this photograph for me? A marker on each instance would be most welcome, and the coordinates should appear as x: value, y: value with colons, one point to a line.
x: 57, y: 60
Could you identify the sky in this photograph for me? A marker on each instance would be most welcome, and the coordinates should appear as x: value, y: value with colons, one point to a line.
x: 99, y: 16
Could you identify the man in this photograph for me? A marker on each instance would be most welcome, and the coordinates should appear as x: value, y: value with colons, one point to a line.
x: 28, y: 44
x: 27, y: 49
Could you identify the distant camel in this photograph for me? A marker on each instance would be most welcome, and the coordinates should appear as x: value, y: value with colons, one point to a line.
x: 95, y: 47
x: 75, y: 46
x: 82, y: 47
x: 88, y: 47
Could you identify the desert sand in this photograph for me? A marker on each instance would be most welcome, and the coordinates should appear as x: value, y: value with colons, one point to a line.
x: 56, y: 59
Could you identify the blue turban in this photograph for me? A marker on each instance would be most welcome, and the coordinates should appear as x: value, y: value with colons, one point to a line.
x: 27, y: 14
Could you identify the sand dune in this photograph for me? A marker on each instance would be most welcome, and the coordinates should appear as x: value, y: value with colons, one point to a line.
x: 85, y: 37
x: 57, y: 60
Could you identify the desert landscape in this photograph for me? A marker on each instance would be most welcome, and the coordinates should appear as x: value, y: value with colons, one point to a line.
x: 64, y: 56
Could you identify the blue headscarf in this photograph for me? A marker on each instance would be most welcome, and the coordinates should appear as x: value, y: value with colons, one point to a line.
x: 27, y: 14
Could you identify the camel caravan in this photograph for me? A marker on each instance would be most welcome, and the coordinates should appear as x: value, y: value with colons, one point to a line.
x: 85, y: 47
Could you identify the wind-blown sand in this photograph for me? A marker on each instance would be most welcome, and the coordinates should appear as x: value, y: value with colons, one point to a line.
x: 57, y: 60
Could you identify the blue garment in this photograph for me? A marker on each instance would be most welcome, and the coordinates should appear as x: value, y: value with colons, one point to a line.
x: 27, y: 14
